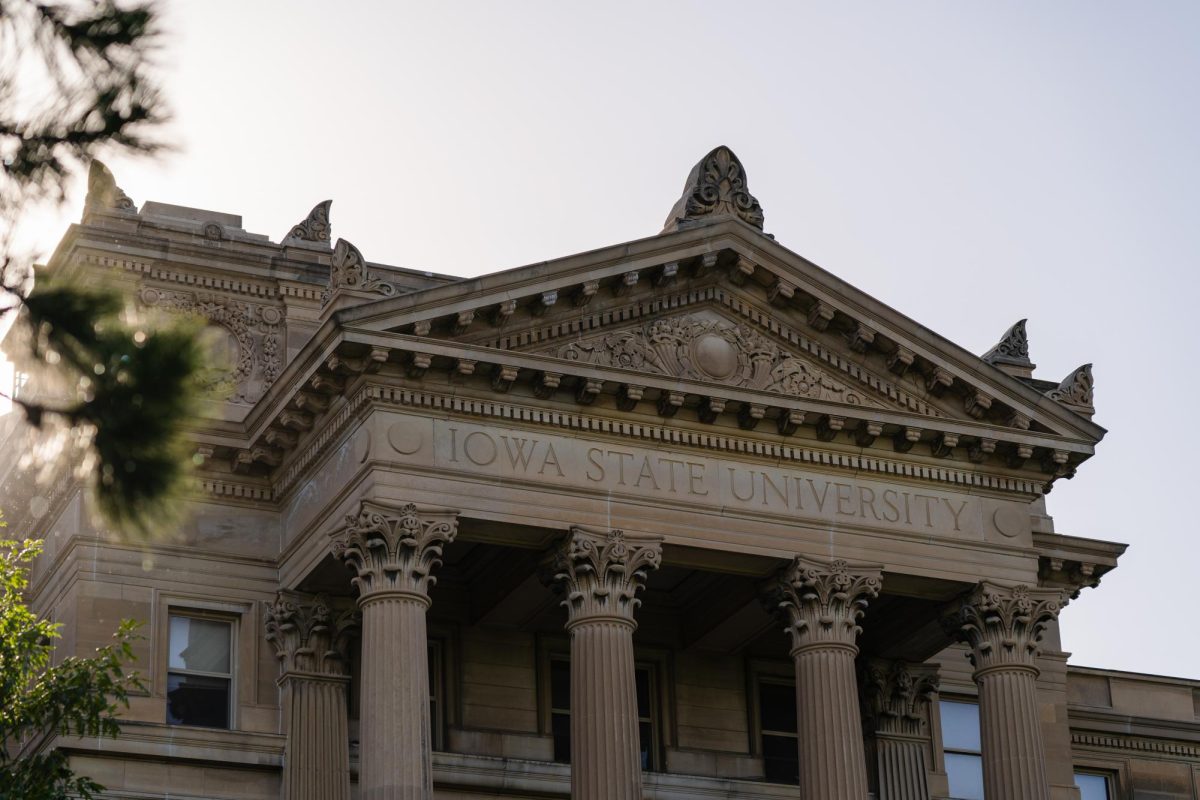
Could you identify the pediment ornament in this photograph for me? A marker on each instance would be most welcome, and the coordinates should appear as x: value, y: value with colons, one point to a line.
x: 315, y: 227
x: 1076, y: 390
x: 716, y: 351
x: 716, y: 186
x: 1013, y: 348
x: 103, y: 191
x: 349, y: 271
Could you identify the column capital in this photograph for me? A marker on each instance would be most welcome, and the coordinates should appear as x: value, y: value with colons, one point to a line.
x: 1003, y: 624
x: 600, y: 572
x: 310, y: 634
x: 896, y: 695
x: 394, y: 548
x: 822, y: 601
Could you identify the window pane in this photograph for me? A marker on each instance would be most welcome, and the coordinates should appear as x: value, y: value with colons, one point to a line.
x: 643, y: 691
x: 197, y: 700
x: 777, y: 707
x: 646, y: 742
x: 960, y: 726
x: 199, y: 644
x: 1092, y: 787
x: 560, y: 728
x: 966, y: 776
x: 560, y: 684
x: 781, y: 760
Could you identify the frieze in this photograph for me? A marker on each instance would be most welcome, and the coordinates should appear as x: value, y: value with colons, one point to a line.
x: 253, y: 326
x: 695, y: 347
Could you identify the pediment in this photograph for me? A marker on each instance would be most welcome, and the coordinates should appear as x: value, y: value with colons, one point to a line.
x: 708, y: 346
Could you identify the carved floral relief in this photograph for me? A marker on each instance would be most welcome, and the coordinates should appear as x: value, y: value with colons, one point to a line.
x: 714, y: 350
x: 254, y: 360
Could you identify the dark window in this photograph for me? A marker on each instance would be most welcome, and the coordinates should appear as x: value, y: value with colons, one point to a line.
x: 962, y: 749
x: 199, y: 671
x: 436, y: 694
x: 780, y: 743
x: 560, y: 711
x: 1093, y: 786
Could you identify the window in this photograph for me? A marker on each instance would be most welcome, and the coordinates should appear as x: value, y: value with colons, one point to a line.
x: 780, y: 743
x: 962, y: 749
x: 199, y: 671
x: 1093, y: 786
x: 560, y: 711
x: 436, y: 694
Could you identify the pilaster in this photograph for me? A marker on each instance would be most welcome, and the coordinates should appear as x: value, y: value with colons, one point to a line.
x: 896, y: 702
x: 600, y: 574
x: 310, y: 638
x: 1003, y: 626
x: 822, y: 603
x: 393, y: 552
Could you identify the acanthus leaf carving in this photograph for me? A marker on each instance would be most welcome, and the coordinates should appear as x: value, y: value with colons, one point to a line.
x: 719, y: 351
x: 1004, y: 625
x: 1076, y: 390
x: 309, y: 633
x: 349, y: 270
x: 394, y: 549
x: 822, y: 602
x: 315, y: 227
x: 896, y: 696
x: 600, y: 573
x: 1013, y: 347
x: 716, y: 186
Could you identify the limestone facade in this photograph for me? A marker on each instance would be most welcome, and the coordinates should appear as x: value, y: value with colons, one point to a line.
x: 683, y: 517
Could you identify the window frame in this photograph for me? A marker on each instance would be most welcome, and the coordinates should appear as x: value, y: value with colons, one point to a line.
x: 777, y: 673
x: 1116, y: 770
x: 232, y: 621
x: 942, y: 749
x: 1110, y: 779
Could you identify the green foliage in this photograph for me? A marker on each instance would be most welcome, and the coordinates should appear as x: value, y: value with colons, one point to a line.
x: 78, y: 696
x: 135, y: 389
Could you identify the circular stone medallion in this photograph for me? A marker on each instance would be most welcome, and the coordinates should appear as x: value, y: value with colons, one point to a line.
x: 715, y: 356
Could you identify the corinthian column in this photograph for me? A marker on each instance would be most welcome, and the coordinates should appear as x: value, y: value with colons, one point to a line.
x: 310, y: 639
x: 600, y: 574
x: 1003, y: 627
x: 896, y: 699
x: 393, y: 552
x: 822, y: 603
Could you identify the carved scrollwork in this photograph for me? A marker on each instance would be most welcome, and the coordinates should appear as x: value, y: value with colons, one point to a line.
x: 103, y: 192
x: 600, y: 572
x: 254, y: 327
x: 394, y: 549
x: 349, y: 270
x: 1013, y: 347
x: 1076, y: 390
x: 716, y: 351
x: 823, y: 602
x: 315, y: 227
x: 309, y: 634
x: 716, y: 186
x: 896, y: 695
x: 1004, y: 625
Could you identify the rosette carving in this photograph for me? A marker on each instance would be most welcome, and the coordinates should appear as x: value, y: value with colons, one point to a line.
x: 896, y: 695
x: 393, y: 549
x: 600, y: 572
x: 1004, y: 625
x: 716, y: 186
x: 822, y: 602
x: 309, y: 634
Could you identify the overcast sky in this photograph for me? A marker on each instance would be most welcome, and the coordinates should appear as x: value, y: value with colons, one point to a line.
x: 969, y: 164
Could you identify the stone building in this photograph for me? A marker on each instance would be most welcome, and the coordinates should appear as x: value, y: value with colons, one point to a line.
x: 684, y: 517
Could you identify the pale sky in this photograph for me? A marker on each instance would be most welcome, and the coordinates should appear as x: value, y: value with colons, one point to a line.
x: 969, y: 164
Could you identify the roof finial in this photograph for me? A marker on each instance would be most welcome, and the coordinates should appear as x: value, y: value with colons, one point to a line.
x: 1011, y: 353
x: 314, y: 228
x: 103, y: 192
x: 1076, y: 391
x: 715, y: 187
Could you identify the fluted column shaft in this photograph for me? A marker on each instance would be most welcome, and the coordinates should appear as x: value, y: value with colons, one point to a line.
x: 316, y: 759
x: 600, y: 573
x: 901, y: 763
x: 310, y: 636
x: 822, y: 603
x: 1004, y: 625
x: 605, y: 751
x: 1014, y: 758
x: 393, y: 551
x: 396, y: 761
